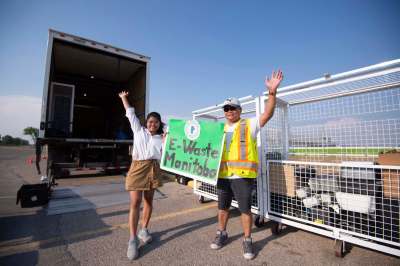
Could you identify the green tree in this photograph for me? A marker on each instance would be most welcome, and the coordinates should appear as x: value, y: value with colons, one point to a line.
x: 33, y: 132
x: 7, y: 139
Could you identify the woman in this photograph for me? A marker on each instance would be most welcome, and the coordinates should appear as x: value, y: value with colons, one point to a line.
x: 144, y: 174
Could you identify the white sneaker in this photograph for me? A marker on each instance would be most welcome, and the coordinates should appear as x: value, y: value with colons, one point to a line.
x: 133, y: 249
x: 144, y: 235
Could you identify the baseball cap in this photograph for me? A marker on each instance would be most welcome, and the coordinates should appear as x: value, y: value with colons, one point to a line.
x: 232, y: 102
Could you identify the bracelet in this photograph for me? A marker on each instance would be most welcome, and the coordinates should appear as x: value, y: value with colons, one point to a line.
x: 270, y: 93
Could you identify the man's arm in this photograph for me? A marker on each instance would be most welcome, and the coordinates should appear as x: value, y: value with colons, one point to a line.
x: 272, y: 85
x: 124, y: 97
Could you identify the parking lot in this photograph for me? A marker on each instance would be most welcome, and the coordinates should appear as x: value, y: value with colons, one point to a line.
x: 85, y: 223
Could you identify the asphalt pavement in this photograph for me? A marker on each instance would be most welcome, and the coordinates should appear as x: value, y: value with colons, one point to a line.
x: 85, y: 223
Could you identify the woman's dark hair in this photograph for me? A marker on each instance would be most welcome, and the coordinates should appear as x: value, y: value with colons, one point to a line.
x: 157, y: 116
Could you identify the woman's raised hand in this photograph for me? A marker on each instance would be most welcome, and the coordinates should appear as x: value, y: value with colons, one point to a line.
x: 123, y: 94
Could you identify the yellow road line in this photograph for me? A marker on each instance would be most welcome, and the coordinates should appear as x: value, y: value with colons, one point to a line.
x: 16, y: 246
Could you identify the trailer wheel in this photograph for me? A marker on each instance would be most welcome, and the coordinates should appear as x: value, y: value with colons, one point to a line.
x: 340, y: 248
x: 202, y: 199
x: 259, y: 221
x: 181, y: 180
x: 276, y: 228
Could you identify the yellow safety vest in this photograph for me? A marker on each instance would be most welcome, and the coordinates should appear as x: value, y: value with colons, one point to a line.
x: 242, y: 157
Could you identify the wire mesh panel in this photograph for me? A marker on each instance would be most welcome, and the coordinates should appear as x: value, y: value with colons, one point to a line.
x: 336, y: 132
x: 355, y: 198
x: 216, y: 113
x: 274, y: 134
x: 352, y: 119
x: 348, y: 128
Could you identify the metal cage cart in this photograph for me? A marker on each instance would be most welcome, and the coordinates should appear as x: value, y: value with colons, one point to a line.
x: 250, y: 108
x: 321, y: 158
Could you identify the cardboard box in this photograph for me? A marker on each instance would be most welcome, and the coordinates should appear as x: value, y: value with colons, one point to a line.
x: 389, y: 158
x: 391, y: 184
x: 282, y: 180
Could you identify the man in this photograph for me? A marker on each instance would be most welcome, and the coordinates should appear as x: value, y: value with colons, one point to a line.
x: 239, y: 164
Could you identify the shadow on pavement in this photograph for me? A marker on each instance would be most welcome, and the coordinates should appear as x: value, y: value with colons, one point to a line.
x: 180, y: 231
x: 259, y: 245
x: 23, y: 236
x: 26, y: 259
x: 192, y: 226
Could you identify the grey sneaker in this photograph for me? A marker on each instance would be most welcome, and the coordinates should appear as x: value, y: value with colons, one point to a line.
x: 220, y: 240
x: 248, y: 253
x: 145, y: 236
x: 133, y: 249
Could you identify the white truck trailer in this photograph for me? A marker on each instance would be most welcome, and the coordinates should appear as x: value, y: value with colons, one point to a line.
x: 83, y: 122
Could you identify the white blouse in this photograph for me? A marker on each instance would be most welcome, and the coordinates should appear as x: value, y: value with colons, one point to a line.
x: 145, y: 146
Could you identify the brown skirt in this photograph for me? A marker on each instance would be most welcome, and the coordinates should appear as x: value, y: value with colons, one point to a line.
x: 143, y: 175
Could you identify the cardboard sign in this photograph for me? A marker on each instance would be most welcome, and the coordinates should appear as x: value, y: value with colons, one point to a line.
x: 194, y: 149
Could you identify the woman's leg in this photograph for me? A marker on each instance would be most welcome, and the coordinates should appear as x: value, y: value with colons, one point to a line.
x: 147, y: 207
x: 134, y: 211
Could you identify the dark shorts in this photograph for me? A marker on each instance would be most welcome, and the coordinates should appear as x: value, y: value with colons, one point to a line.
x: 240, y: 188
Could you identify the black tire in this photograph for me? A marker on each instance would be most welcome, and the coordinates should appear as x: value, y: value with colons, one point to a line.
x: 259, y: 221
x: 185, y: 180
x: 179, y: 179
x: 276, y: 228
x: 201, y: 199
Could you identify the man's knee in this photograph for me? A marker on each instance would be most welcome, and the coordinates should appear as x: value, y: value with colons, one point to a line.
x: 245, y: 211
x: 246, y: 215
x: 245, y: 205
x: 224, y: 211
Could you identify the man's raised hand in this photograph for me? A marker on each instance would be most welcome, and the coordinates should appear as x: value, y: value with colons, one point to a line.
x: 272, y: 83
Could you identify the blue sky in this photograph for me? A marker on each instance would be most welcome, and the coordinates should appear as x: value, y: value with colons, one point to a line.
x: 202, y: 51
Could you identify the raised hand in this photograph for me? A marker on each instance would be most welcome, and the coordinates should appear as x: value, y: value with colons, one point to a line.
x: 272, y: 83
x: 123, y: 94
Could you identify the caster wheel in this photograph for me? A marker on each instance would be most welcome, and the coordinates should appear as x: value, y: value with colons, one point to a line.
x: 276, y: 228
x: 259, y: 221
x: 201, y: 199
x: 185, y: 180
x: 179, y: 179
x: 340, y: 248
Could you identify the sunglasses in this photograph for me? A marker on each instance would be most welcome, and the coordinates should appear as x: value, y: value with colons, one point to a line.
x: 228, y: 108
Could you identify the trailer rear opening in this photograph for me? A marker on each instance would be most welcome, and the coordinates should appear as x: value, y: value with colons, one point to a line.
x: 84, y: 84
x: 83, y: 121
